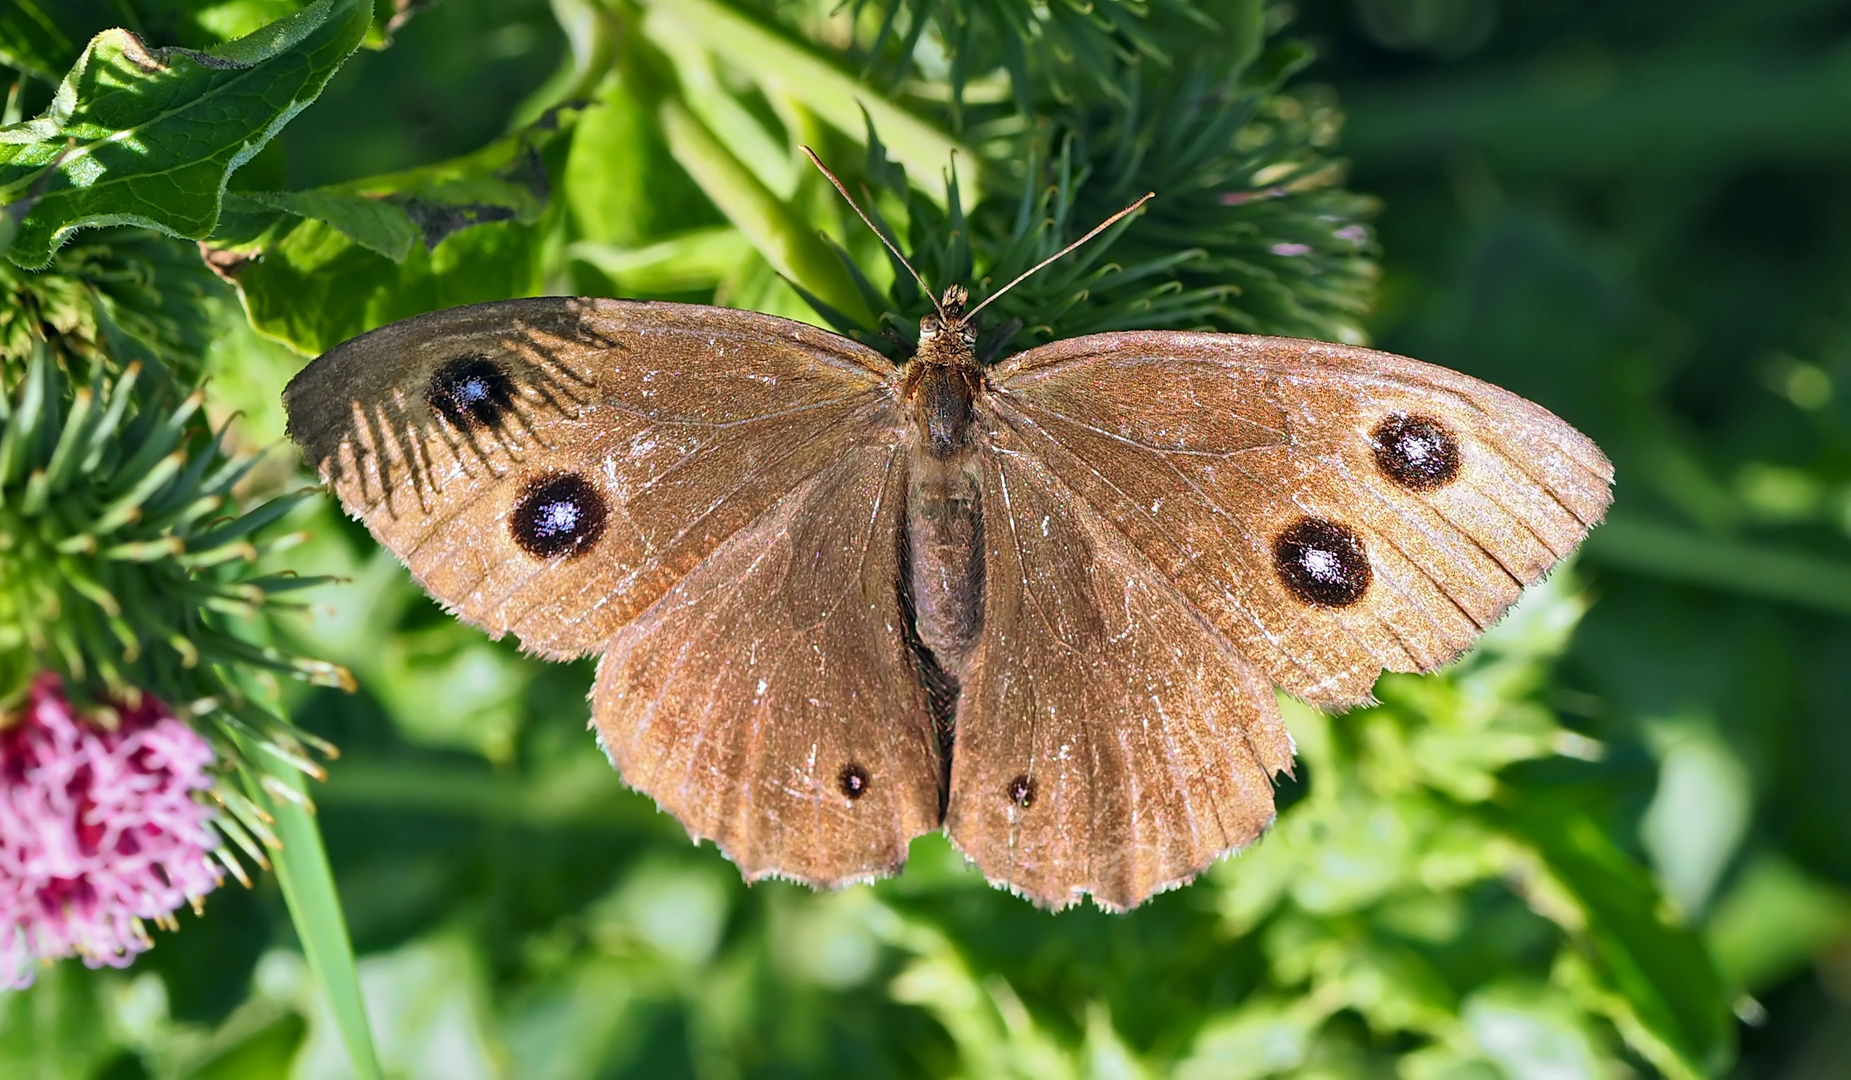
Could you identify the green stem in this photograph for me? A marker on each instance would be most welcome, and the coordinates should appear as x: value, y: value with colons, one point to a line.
x: 1679, y: 555
x: 779, y: 233
x: 315, y: 907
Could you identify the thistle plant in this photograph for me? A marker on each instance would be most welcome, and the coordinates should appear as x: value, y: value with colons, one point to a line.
x: 101, y: 830
x: 125, y: 591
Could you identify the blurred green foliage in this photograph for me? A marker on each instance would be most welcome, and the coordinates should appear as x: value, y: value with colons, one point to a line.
x: 1616, y: 839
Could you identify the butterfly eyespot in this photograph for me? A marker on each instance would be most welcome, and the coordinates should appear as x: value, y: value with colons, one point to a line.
x: 1416, y: 452
x: 1322, y: 562
x: 853, y: 781
x: 561, y: 514
x: 1021, y: 791
x: 471, y: 392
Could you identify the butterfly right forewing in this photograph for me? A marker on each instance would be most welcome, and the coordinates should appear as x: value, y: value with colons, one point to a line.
x: 1270, y: 480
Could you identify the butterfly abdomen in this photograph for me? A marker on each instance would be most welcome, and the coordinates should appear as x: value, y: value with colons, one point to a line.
x: 944, y: 565
x: 944, y: 509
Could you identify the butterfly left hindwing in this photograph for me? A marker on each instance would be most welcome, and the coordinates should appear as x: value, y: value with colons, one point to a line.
x: 769, y: 702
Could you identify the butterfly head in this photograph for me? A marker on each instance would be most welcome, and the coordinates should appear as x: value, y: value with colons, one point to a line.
x: 947, y: 338
x: 951, y: 306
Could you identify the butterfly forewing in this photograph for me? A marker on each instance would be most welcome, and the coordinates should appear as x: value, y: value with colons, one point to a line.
x: 1331, y: 511
x: 551, y: 466
x: 768, y: 701
x: 1109, y: 741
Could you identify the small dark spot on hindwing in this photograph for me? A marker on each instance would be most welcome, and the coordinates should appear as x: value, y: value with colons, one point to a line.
x: 1322, y: 562
x: 560, y: 514
x: 1416, y: 452
x: 471, y: 392
x: 1021, y: 791
x: 853, y: 781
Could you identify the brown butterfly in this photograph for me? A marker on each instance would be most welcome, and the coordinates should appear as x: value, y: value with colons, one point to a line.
x: 1042, y: 604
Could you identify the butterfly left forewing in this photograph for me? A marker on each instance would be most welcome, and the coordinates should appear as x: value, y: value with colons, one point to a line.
x: 768, y: 700
x: 669, y: 426
x: 1332, y: 511
x: 1108, y: 741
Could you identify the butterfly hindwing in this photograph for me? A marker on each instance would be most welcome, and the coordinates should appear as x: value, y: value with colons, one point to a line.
x: 1108, y: 741
x: 769, y: 702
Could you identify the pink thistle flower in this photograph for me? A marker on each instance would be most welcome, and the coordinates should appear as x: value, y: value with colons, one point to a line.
x: 99, y: 830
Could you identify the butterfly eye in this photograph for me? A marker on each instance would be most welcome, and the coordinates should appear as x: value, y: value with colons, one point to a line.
x: 1021, y: 791
x: 1322, y: 562
x: 563, y: 514
x: 471, y: 391
x: 1416, y: 452
x: 853, y: 781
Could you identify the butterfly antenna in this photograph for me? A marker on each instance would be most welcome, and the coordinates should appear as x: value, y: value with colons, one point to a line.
x: 1031, y: 271
x: 850, y: 199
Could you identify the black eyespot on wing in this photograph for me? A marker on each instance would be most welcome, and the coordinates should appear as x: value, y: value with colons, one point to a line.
x: 471, y: 392
x: 1322, y: 562
x: 1021, y: 791
x: 1416, y: 452
x: 561, y: 514
x: 853, y: 781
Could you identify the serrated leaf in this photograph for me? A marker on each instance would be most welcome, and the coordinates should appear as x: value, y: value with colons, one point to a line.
x: 150, y: 136
x: 470, y: 229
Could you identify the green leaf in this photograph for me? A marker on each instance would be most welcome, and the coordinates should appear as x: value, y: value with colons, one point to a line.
x: 698, y: 259
x: 1655, y: 980
x: 315, y: 907
x: 1773, y: 921
x: 55, y: 1029
x: 372, y: 223
x: 788, y: 242
x: 434, y: 992
x: 791, y: 69
x: 1263, y: 1037
x: 43, y: 38
x: 1700, y: 812
x: 1730, y: 565
x: 1532, y: 1035
x: 317, y: 267
x: 150, y: 136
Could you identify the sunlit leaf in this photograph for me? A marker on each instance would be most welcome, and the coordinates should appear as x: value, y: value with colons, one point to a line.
x: 149, y: 136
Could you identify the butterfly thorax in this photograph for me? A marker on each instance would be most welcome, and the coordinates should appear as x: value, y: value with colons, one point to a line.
x: 944, y: 378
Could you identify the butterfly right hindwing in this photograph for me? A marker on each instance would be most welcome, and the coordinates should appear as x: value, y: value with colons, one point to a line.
x: 768, y: 701
x: 1108, y: 740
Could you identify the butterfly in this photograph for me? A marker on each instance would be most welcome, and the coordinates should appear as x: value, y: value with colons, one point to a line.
x: 1041, y: 604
